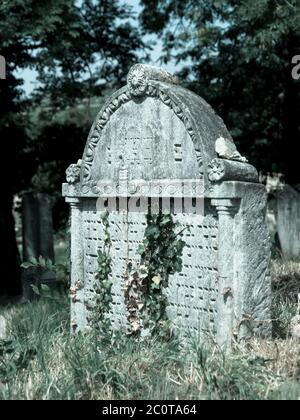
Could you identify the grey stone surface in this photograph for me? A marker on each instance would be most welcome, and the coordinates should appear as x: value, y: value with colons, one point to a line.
x: 150, y: 135
x: 2, y: 67
x: 287, y: 215
x: 3, y: 328
x: 226, y: 149
x: 229, y: 170
x: 37, y: 226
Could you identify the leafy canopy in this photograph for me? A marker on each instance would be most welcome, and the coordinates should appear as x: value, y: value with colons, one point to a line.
x: 237, y: 54
x: 80, y: 49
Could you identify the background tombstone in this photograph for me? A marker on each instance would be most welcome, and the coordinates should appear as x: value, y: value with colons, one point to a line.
x: 2, y: 67
x: 274, y: 184
x: 288, y: 221
x: 283, y: 216
x: 37, y: 239
x: 151, y: 135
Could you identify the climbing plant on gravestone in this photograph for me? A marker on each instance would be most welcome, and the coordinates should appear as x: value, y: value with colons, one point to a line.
x: 161, y: 256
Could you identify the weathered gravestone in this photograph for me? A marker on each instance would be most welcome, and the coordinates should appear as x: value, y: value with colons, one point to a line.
x: 152, y: 139
x: 2, y: 67
x: 3, y: 328
x: 288, y: 221
x: 37, y: 239
x: 37, y: 226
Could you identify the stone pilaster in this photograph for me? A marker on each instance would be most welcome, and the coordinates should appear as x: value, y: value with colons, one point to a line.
x: 226, y: 209
x: 78, y: 310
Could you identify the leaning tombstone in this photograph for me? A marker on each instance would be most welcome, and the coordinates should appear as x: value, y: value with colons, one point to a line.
x: 153, y: 143
x: 37, y: 241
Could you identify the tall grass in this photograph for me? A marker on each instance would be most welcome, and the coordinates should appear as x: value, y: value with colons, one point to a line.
x: 41, y: 360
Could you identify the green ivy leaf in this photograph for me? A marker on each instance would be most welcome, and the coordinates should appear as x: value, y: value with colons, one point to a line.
x: 42, y: 262
x: 45, y: 288
x: 49, y: 265
x: 36, y: 289
x: 33, y: 261
x: 26, y: 265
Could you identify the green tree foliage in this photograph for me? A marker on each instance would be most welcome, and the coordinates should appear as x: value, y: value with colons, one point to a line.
x: 80, y: 48
x: 237, y: 54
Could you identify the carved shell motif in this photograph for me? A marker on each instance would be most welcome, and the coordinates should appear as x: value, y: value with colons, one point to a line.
x: 137, y: 80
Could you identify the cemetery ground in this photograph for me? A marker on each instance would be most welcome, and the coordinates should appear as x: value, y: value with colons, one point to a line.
x: 40, y: 359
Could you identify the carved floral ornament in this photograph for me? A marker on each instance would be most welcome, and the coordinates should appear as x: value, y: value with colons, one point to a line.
x: 73, y: 173
x: 216, y: 170
x: 137, y: 81
x: 140, y: 75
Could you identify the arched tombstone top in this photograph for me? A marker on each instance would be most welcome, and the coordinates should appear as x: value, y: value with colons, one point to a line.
x: 155, y: 129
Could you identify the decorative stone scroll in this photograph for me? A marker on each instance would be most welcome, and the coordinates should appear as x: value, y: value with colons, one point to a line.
x: 156, y: 145
x: 229, y: 170
x: 140, y: 74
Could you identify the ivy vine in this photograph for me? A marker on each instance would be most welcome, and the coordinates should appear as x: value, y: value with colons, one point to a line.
x: 161, y: 255
x: 103, y: 296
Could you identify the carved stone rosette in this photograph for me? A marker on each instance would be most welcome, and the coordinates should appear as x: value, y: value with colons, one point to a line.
x: 216, y: 170
x: 137, y: 80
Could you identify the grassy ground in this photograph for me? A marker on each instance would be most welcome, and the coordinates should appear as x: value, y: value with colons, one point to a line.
x: 41, y: 360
